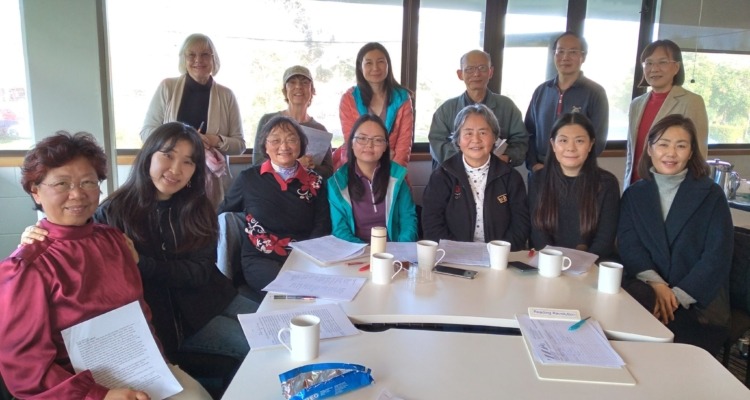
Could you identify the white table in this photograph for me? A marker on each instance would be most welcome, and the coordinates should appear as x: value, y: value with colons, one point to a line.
x: 418, y: 364
x: 492, y: 299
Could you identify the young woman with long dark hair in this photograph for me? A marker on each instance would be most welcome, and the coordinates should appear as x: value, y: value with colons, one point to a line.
x: 573, y: 202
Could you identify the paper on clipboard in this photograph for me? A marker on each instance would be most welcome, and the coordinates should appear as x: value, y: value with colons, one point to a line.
x: 318, y: 143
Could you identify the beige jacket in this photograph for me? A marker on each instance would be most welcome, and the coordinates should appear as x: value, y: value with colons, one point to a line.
x: 678, y: 101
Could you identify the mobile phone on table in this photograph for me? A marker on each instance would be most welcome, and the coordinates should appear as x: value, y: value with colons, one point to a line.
x: 460, y: 272
x: 521, y: 266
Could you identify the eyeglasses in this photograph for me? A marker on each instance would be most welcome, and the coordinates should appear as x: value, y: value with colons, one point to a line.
x: 291, y: 141
x: 660, y: 64
x: 471, y: 70
x: 572, y: 52
x: 67, y: 186
x: 364, y: 141
x: 202, y: 56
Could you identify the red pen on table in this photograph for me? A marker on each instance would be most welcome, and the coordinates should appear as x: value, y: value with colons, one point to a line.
x: 365, y: 268
x: 531, y: 253
x: 356, y: 263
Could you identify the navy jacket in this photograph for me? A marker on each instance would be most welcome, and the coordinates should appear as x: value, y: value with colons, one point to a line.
x: 692, y: 249
x: 449, y: 210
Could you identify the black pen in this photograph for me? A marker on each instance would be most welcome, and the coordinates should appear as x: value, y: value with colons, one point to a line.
x: 292, y: 297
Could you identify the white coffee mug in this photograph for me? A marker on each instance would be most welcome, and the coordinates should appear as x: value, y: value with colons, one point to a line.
x: 610, y: 277
x: 499, y: 251
x: 381, y: 268
x: 304, y: 337
x: 427, y: 254
x: 552, y: 263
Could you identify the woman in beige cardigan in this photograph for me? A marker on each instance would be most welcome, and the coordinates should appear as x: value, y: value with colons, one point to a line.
x: 196, y: 99
x: 664, y: 72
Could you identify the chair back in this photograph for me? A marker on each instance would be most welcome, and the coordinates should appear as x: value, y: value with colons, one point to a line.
x: 739, y: 277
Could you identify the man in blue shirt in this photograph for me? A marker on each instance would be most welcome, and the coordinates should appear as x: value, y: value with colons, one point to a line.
x: 569, y: 91
x: 476, y: 71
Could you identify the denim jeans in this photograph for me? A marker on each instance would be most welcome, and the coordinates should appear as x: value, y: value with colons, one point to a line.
x: 223, y: 335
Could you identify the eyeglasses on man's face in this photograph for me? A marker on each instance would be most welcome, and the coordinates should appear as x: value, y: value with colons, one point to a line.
x: 61, y: 187
x: 364, y: 141
x: 290, y: 141
x: 648, y: 64
x: 202, y: 56
x: 574, y: 53
x: 472, y: 69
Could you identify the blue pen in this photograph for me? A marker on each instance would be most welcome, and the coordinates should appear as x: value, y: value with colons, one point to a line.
x: 578, y: 324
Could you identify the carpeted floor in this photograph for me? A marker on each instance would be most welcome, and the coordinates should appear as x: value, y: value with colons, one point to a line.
x: 737, y: 363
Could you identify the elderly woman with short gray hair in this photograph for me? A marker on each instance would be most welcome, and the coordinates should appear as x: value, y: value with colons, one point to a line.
x: 474, y: 196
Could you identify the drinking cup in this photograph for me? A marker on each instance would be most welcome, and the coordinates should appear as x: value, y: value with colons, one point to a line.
x: 381, y: 268
x: 552, y: 263
x: 610, y: 277
x: 499, y: 251
x: 378, y: 238
x: 427, y: 254
x: 304, y: 337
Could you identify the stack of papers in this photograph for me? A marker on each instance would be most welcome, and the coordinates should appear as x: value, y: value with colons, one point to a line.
x: 552, y: 343
x: 261, y: 329
x: 581, y: 261
x: 330, y: 249
x: 333, y: 287
x: 465, y: 253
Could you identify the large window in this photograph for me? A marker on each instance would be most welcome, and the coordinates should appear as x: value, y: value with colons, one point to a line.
x: 256, y: 41
x: 530, y: 28
x: 440, y: 51
x: 611, y: 31
x: 15, y: 127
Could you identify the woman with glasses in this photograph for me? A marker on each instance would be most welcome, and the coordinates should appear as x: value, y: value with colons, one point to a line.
x: 163, y: 209
x: 664, y: 72
x: 195, y: 99
x: 282, y: 200
x: 573, y: 202
x: 78, y: 270
x: 675, y: 237
x: 378, y: 93
x: 371, y: 190
x: 298, y: 91
x: 473, y: 196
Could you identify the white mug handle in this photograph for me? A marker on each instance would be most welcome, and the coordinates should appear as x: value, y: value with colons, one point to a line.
x: 566, y: 263
x: 400, y: 267
x: 282, y: 330
x: 441, y: 257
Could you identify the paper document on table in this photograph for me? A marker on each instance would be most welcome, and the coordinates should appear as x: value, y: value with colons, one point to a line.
x: 552, y: 343
x: 330, y: 249
x: 261, y: 328
x: 333, y: 287
x: 402, y: 251
x: 580, y: 261
x: 121, y: 352
x: 466, y: 253
x: 318, y: 143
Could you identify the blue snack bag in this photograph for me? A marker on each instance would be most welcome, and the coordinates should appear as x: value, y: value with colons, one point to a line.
x: 323, y: 380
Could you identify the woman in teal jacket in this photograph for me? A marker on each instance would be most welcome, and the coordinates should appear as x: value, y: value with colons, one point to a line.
x: 371, y: 190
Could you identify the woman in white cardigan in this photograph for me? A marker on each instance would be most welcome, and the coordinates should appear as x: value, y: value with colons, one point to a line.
x: 664, y: 72
x: 194, y: 98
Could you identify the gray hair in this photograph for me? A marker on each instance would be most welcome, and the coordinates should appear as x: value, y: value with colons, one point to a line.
x: 191, y: 40
x: 478, y: 109
x: 465, y: 56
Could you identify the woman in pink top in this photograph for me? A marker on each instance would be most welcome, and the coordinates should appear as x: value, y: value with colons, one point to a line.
x: 378, y: 93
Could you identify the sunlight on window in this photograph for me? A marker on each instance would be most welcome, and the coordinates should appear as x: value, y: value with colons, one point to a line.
x: 254, y: 47
x: 15, y: 127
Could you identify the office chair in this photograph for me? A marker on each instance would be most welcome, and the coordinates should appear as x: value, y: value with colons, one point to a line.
x: 739, y: 290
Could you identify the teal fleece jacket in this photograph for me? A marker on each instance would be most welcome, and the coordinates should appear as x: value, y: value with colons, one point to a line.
x: 400, y: 213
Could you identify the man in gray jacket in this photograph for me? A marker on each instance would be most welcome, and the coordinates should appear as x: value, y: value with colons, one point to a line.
x: 476, y: 71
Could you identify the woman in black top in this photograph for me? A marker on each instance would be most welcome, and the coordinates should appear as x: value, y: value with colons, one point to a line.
x: 573, y: 202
